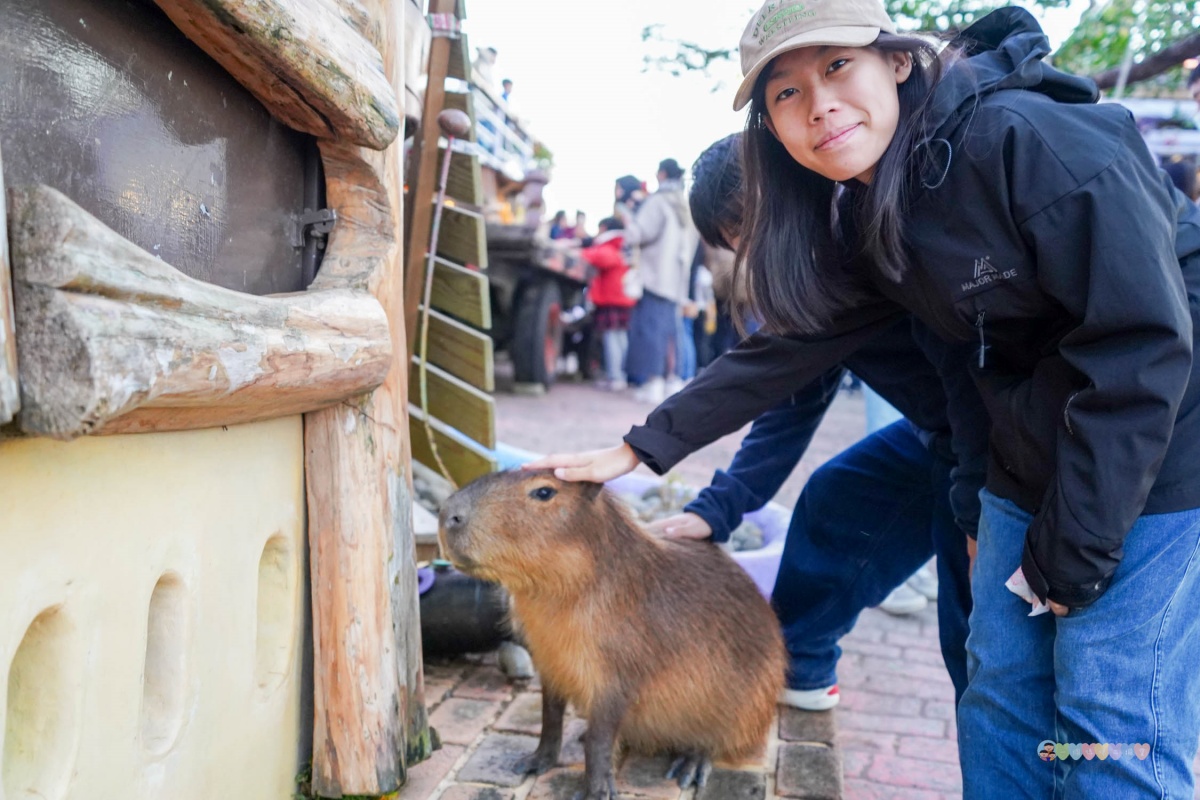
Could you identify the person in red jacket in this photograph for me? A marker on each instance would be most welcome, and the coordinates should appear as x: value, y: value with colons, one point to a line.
x: 607, y: 291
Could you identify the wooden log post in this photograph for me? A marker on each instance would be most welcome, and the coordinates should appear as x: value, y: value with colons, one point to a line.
x: 370, y: 720
x: 115, y: 340
x: 10, y: 395
x: 393, y: 394
x: 369, y: 696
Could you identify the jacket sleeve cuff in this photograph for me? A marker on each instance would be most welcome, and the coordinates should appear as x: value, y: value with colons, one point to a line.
x: 722, y: 504
x: 1071, y: 596
x: 710, y: 513
x: 655, y: 449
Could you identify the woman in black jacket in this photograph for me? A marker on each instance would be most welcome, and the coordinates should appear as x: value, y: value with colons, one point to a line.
x: 989, y: 195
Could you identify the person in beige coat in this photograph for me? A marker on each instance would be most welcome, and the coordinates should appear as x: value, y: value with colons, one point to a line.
x: 663, y: 239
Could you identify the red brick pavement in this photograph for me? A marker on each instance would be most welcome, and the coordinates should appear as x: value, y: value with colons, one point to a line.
x: 895, y: 730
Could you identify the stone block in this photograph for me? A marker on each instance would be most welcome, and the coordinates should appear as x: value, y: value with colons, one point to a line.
x: 467, y: 792
x: 523, y: 715
x: 728, y: 784
x: 806, y: 726
x: 809, y: 772
x: 460, y: 720
x: 424, y: 778
x: 493, y: 762
x: 558, y: 784
x: 645, y: 776
x: 485, y: 682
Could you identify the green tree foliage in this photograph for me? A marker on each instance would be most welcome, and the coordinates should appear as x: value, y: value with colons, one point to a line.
x: 942, y: 18
x: 1141, y: 29
x: 1155, y: 34
x: 947, y: 17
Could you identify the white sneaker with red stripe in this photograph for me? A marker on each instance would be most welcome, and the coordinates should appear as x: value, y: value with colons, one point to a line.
x: 810, y: 699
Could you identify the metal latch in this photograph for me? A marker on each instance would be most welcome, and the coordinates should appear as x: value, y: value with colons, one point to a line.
x: 316, y: 224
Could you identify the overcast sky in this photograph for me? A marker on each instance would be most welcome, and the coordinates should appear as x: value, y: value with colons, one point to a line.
x: 578, y: 78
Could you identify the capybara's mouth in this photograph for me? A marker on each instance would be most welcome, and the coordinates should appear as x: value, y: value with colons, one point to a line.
x: 452, y: 551
x: 461, y: 562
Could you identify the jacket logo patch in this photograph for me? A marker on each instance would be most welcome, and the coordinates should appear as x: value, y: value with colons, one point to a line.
x: 986, y: 273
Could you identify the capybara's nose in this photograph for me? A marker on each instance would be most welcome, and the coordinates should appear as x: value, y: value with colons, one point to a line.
x: 454, y: 515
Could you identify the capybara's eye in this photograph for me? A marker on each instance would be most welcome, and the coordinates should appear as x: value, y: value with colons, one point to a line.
x: 543, y: 493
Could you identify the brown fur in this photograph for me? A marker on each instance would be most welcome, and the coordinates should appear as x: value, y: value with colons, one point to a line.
x: 675, y: 630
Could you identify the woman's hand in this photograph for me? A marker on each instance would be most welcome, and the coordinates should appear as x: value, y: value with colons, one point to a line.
x: 597, y: 466
x: 681, y: 526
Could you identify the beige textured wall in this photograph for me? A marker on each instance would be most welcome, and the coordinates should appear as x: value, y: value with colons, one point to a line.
x: 150, y: 615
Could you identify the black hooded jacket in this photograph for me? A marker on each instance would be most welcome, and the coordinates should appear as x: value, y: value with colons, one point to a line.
x: 1052, y: 237
x: 1044, y: 233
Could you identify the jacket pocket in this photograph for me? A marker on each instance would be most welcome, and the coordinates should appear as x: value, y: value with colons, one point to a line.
x: 1027, y: 412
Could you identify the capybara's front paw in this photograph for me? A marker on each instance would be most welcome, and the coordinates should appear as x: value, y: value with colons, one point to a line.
x: 603, y: 791
x: 601, y: 794
x: 690, y: 769
x: 536, y: 763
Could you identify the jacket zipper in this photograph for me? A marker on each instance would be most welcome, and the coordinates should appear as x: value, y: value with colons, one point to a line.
x: 982, y: 344
x: 1067, y: 413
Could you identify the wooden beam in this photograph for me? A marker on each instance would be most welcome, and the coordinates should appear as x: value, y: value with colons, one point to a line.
x: 1152, y: 65
x: 423, y: 180
x: 461, y: 292
x: 371, y: 724
x: 114, y: 340
x: 305, y: 60
x: 10, y: 393
x: 462, y: 351
x: 465, y: 460
x: 457, y: 403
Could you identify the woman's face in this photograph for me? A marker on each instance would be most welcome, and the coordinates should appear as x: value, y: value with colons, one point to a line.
x: 835, y: 109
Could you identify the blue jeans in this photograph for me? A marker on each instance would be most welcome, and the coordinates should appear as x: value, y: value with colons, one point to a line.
x: 685, y: 348
x: 866, y: 520
x: 616, y: 343
x: 651, y: 332
x: 1123, y: 670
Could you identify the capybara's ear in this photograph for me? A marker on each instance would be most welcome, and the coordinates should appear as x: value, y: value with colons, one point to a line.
x: 592, y: 490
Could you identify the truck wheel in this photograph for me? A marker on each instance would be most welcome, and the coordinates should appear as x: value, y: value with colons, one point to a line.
x: 537, y: 334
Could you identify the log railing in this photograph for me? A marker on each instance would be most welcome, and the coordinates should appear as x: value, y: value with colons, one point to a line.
x: 116, y: 341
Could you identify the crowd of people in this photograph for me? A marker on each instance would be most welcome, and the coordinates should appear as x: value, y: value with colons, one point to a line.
x: 657, y: 291
x: 1002, y: 259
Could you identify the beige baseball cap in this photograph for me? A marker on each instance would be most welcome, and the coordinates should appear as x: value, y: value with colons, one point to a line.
x: 783, y: 25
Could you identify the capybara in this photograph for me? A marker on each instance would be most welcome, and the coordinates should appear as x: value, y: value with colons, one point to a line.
x: 664, y: 645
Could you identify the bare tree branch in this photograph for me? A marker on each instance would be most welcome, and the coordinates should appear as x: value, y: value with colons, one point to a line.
x: 1153, y: 65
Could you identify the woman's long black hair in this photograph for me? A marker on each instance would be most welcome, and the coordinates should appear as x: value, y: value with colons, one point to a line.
x: 790, y: 258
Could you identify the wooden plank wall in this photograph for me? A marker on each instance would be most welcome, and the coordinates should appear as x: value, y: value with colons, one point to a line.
x: 459, y: 369
x: 462, y: 292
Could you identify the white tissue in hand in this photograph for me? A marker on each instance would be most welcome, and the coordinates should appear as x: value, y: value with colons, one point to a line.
x: 1020, y: 587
